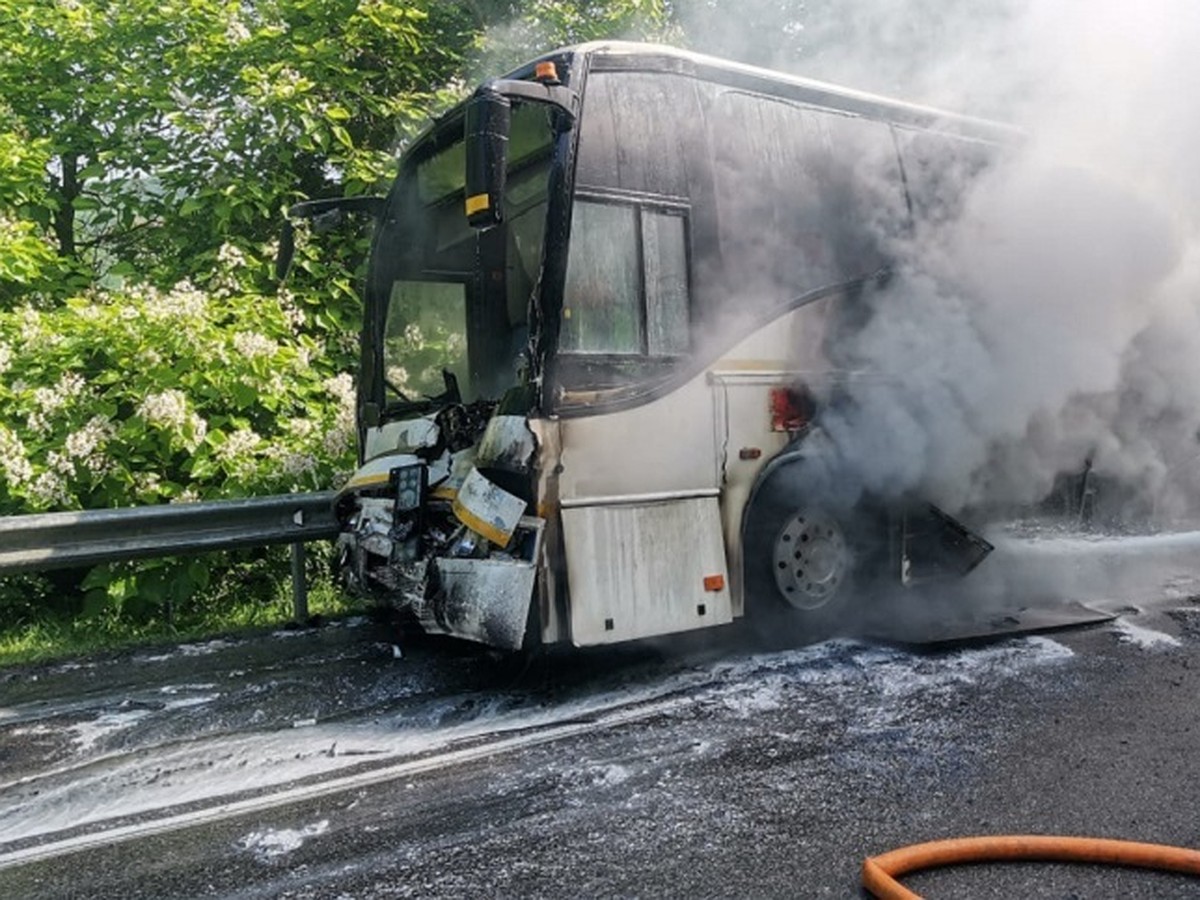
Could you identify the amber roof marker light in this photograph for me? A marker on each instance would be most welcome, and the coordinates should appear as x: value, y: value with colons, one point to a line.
x: 546, y: 73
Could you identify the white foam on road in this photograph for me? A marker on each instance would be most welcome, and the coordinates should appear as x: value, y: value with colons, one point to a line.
x: 868, y: 678
x: 271, y: 843
x: 1139, y: 635
x: 86, y: 734
x: 205, y: 648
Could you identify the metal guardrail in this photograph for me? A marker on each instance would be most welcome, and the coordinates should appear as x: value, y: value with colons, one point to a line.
x: 76, y: 539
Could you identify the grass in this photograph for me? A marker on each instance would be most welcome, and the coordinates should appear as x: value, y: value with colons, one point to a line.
x: 42, y: 634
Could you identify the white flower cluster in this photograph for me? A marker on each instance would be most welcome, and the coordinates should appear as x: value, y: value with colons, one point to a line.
x: 397, y: 376
x: 71, y: 384
x: 51, y: 400
x: 340, y: 437
x: 292, y: 312
x: 13, y: 461
x: 60, y: 464
x: 87, y: 444
x: 49, y: 489
x: 231, y: 255
x: 236, y: 31
x: 148, y: 357
x: 166, y: 410
x: 251, y: 344
x: 30, y: 324
x: 183, y: 301
x: 90, y: 438
x: 299, y: 428
x: 239, y: 443
x: 169, y: 411
x: 292, y: 464
x: 146, y: 482
x: 342, y: 388
x: 5, y: 358
x: 239, y: 452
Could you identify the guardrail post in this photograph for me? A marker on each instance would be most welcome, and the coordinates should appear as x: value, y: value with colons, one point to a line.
x: 299, y: 584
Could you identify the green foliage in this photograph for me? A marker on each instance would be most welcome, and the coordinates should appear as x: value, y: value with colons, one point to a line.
x: 249, y: 597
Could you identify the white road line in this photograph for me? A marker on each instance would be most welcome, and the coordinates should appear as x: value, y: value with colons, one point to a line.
x: 222, y: 811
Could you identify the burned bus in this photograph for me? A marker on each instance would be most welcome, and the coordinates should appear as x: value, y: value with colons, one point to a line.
x: 602, y: 313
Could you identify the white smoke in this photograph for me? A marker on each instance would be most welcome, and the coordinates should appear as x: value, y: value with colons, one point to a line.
x: 1056, y: 318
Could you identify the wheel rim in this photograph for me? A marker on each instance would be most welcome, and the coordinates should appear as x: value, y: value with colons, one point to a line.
x: 810, y: 559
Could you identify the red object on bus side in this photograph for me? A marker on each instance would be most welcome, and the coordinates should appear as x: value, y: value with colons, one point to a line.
x: 791, y: 409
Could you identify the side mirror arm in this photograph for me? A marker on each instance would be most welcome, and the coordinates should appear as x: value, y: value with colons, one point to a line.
x: 565, y: 100
x: 311, y: 209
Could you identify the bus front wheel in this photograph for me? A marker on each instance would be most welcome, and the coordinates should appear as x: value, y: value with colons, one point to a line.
x: 808, y: 561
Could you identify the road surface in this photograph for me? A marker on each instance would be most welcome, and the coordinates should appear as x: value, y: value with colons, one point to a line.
x: 327, y: 763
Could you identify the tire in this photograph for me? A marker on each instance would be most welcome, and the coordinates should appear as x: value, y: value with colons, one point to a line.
x: 810, y: 561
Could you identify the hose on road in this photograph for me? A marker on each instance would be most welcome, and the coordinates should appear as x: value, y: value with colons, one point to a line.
x: 879, y: 873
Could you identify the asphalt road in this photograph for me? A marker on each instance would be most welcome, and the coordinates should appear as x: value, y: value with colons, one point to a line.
x: 318, y: 764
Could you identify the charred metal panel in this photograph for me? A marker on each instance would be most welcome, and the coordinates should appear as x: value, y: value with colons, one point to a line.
x: 638, y: 569
x: 405, y: 436
x: 485, y: 600
x: 935, y: 545
x: 552, y: 586
x: 488, y: 509
x: 507, y: 443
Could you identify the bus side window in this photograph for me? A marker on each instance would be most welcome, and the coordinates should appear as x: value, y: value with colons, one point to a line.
x: 627, y: 288
x: 600, y: 308
x: 664, y: 249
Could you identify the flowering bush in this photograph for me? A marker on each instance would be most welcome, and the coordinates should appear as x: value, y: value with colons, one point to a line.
x: 136, y: 396
x: 139, y: 396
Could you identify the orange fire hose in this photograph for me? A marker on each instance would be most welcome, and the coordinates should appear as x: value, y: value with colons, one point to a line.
x: 880, y: 872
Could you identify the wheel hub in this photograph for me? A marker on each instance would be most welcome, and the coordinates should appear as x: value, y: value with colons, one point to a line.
x: 810, y: 559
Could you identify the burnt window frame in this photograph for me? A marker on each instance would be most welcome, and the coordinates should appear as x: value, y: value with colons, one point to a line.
x: 641, y: 205
x: 582, y: 378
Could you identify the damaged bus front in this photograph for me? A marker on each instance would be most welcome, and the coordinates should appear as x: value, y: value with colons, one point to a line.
x: 438, y: 518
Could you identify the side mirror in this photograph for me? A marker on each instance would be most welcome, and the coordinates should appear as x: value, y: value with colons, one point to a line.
x: 489, y: 117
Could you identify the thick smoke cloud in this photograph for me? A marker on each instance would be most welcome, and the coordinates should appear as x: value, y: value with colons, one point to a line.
x: 1055, y: 318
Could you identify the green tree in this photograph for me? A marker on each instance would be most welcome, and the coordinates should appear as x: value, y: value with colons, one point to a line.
x: 168, y: 128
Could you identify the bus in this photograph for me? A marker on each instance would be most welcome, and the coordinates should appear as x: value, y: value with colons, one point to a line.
x: 603, y: 308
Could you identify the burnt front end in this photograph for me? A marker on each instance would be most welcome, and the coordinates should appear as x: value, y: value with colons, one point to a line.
x: 436, y: 523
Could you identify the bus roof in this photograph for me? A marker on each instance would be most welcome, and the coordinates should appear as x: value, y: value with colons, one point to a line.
x: 633, y: 56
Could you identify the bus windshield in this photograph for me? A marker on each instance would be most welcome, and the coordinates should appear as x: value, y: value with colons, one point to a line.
x: 448, y: 298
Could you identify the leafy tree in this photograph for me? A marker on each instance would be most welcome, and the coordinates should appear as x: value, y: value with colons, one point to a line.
x: 168, y: 129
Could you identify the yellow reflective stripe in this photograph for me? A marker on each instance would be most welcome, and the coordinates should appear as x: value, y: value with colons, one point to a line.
x: 480, y: 526
x: 444, y: 493
x: 360, y: 480
x: 478, y: 203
